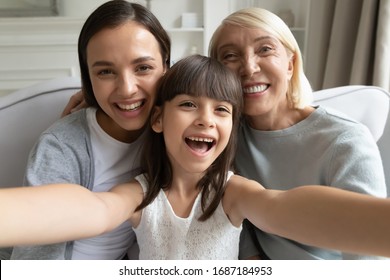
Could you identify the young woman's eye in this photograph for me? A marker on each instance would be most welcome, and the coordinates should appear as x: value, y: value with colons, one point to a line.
x: 144, y: 68
x: 105, y: 72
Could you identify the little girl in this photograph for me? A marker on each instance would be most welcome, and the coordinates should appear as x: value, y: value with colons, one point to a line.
x: 188, y: 204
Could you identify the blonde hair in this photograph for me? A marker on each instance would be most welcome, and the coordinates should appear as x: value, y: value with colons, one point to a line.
x: 299, y: 93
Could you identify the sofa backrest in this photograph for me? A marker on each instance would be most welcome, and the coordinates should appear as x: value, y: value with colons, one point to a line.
x: 24, y: 115
x: 368, y: 105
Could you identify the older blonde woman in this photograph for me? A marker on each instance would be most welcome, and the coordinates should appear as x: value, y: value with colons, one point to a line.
x: 284, y: 141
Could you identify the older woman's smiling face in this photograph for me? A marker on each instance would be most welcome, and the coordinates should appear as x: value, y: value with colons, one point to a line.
x: 263, y: 64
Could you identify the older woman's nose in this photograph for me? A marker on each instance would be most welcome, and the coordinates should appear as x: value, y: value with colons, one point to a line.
x: 249, y: 66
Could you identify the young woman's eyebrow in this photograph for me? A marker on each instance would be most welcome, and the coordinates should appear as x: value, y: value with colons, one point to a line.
x: 102, y: 63
x: 143, y: 59
x: 135, y: 61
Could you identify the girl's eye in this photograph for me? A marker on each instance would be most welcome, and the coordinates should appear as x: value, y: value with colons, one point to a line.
x: 224, y: 109
x: 187, y: 104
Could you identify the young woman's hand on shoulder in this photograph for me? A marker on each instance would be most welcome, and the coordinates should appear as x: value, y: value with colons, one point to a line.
x: 75, y: 103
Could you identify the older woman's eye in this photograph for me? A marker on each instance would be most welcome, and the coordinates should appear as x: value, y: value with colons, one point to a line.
x: 229, y: 56
x: 265, y: 49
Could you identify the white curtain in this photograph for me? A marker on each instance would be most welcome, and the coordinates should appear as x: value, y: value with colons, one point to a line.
x: 382, y: 59
x: 349, y: 43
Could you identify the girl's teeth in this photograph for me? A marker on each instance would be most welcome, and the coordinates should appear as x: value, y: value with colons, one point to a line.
x: 208, y: 140
x: 201, y: 145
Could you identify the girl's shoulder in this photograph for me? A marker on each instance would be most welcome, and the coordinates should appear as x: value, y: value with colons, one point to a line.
x: 132, y: 188
x: 238, y: 185
x: 239, y: 190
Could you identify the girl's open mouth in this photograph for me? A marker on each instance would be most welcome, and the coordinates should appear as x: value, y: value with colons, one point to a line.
x: 200, y: 144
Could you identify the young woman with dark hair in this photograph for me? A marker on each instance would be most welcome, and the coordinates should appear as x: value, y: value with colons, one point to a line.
x: 123, y: 52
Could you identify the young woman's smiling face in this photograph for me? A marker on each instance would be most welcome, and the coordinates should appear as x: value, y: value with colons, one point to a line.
x: 196, y: 131
x: 125, y: 64
x: 263, y: 64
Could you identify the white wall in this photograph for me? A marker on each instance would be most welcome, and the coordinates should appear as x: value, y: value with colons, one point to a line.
x: 37, y: 49
x: 78, y: 8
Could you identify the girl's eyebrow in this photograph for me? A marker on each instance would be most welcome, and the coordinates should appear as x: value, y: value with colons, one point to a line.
x: 135, y: 61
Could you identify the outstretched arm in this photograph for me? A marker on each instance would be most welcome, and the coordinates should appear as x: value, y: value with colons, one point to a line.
x: 54, y: 213
x: 319, y: 216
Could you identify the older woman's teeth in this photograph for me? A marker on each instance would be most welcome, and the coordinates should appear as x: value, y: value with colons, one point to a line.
x: 255, y: 89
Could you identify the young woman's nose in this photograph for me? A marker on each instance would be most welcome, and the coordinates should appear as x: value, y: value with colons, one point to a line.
x: 249, y: 66
x: 127, y: 85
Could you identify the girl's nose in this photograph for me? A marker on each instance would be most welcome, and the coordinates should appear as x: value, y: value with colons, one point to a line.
x: 205, y: 119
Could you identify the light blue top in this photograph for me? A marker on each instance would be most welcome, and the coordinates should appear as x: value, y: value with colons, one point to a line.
x: 64, y: 154
x: 327, y: 148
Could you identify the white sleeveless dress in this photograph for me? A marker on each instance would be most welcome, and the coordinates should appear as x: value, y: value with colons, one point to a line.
x: 162, y: 235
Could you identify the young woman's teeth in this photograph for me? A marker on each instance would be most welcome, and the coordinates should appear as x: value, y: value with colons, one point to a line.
x: 130, y: 107
x: 255, y: 89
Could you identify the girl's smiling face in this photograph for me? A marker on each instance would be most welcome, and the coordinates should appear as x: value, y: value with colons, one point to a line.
x: 263, y: 65
x: 196, y: 130
x: 125, y: 64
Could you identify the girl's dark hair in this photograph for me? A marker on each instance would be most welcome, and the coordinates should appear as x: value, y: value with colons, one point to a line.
x: 110, y: 15
x: 197, y: 76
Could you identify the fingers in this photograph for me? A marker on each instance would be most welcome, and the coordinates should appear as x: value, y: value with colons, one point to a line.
x: 76, y: 102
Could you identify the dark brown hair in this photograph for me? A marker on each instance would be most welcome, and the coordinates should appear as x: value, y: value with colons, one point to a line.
x: 197, y: 76
x: 110, y: 15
